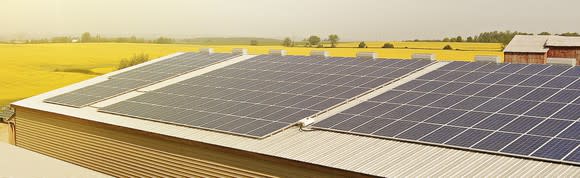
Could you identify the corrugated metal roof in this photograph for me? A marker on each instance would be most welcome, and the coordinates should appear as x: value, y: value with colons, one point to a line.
x: 380, y: 157
x: 563, y: 41
x: 539, y: 44
x: 527, y: 43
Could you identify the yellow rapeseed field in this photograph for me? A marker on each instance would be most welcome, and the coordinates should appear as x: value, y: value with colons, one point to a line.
x: 432, y: 45
x: 29, y: 69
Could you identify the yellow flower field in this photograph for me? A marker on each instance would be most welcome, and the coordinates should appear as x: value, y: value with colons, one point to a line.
x: 29, y: 69
x: 432, y: 45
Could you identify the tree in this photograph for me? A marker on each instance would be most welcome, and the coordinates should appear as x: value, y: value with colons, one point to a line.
x: 287, y: 42
x: 164, y: 40
x: 320, y: 46
x: 447, y: 47
x: 86, y: 37
x: 470, y: 39
x: 313, y: 40
x: 545, y: 33
x: 333, y: 40
x: 388, y: 45
x: 498, y: 37
x: 570, y: 34
x: 61, y: 39
x: 493, y: 37
x: 362, y: 44
x: 134, y: 60
x: 254, y: 42
x: 132, y: 39
x: 97, y: 38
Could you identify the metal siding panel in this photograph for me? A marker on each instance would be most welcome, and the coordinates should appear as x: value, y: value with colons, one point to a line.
x: 124, y: 156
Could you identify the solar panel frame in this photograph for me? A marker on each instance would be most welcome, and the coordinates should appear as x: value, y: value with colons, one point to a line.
x: 260, y: 83
x: 537, y: 103
x: 137, y: 78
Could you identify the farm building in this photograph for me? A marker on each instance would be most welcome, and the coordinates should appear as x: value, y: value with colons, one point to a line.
x: 529, y: 49
x: 237, y: 115
x: 16, y: 162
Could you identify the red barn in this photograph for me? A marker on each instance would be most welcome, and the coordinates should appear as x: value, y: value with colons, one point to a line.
x: 541, y: 49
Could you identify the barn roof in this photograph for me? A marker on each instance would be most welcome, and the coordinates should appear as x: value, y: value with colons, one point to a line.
x: 563, y: 41
x: 540, y: 44
x: 527, y: 44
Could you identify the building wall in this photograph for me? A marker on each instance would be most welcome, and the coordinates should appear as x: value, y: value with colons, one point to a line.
x: 525, y: 58
x: 565, y: 52
x: 126, y: 152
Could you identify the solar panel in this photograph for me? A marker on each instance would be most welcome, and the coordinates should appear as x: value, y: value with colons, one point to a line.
x: 529, y: 111
x: 262, y: 95
x: 138, y: 78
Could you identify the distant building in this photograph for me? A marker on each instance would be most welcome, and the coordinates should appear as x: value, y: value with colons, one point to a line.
x: 539, y: 49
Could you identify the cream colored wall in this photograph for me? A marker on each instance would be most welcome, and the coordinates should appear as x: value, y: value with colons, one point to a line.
x: 4, y: 133
x: 121, y: 152
x: 18, y: 162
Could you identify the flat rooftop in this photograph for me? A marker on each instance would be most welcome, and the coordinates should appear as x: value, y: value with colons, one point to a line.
x: 369, y: 155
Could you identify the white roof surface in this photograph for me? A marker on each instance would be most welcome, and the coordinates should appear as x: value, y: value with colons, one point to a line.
x: 527, y: 43
x: 563, y: 41
x: 540, y: 43
x: 380, y: 157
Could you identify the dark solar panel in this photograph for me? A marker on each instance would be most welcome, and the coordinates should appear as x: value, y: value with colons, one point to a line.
x: 264, y: 94
x: 514, y: 109
x: 138, y: 78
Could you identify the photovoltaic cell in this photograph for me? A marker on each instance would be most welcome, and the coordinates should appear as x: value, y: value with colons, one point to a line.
x: 138, y: 78
x: 265, y: 94
x: 527, y: 110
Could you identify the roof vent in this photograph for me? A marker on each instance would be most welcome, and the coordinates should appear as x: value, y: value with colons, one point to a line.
x: 206, y: 50
x: 371, y: 55
x: 319, y: 53
x: 242, y: 51
x: 562, y: 61
x: 421, y: 56
x: 494, y: 59
x: 278, y: 52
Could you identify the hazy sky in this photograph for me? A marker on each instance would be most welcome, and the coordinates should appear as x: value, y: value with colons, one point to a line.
x: 350, y: 19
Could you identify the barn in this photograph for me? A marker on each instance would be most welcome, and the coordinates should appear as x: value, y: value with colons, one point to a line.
x: 204, y: 114
x: 528, y: 49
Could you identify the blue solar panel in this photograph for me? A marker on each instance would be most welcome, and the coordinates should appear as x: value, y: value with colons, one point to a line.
x: 496, y: 141
x: 515, y: 109
x: 468, y: 138
x: 138, y: 78
x: 265, y: 94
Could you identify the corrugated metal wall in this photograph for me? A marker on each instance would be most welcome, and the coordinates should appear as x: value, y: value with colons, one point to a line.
x: 114, y: 157
x: 120, y: 152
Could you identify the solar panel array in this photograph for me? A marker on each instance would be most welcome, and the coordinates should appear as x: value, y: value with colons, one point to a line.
x: 138, y: 78
x: 530, y: 111
x: 262, y: 95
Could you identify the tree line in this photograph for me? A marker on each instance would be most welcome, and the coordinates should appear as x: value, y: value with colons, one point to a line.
x: 498, y: 37
x: 503, y: 37
x: 313, y: 41
x: 86, y: 37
